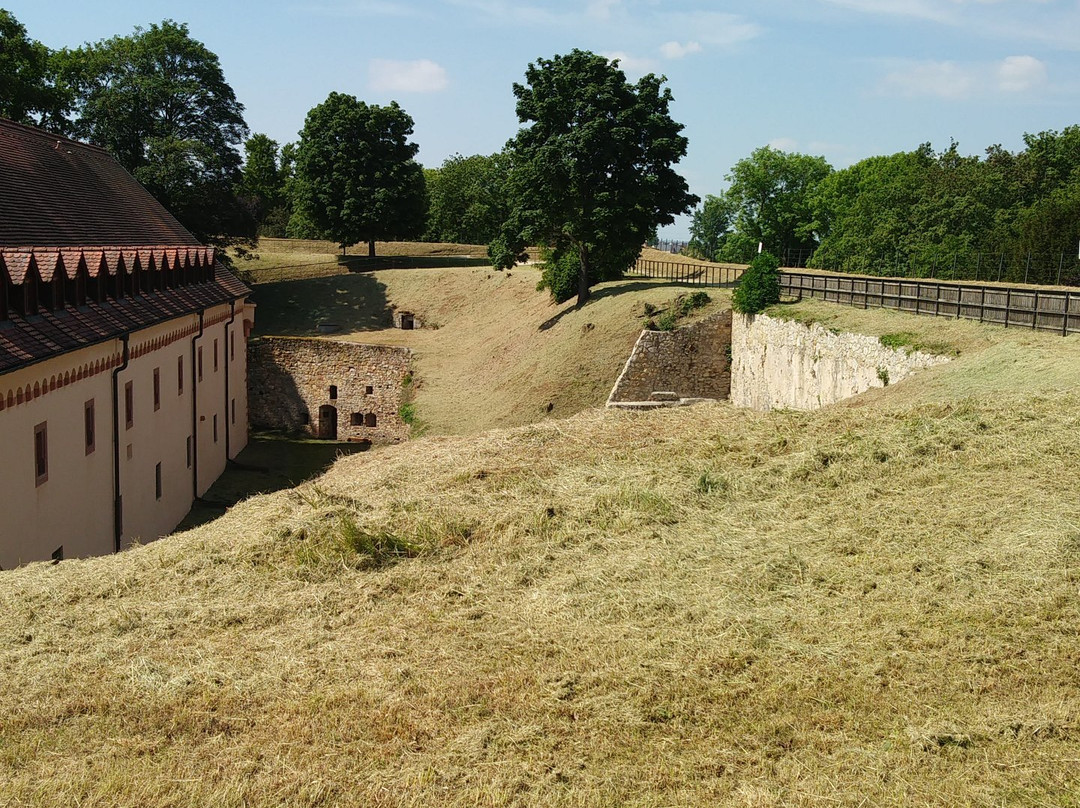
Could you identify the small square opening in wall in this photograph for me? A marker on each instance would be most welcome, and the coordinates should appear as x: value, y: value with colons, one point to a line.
x: 369, y: 390
x: 369, y: 419
x: 333, y: 392
x: 356, y: 419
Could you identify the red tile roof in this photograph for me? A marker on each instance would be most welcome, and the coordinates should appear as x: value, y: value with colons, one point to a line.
x: 56, y: 197
x: 57, y: 192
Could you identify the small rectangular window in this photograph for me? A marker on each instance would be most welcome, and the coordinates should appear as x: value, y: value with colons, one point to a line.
x: 129, y: 405
x: 215, y: 356
x: 234, y: 411
x: 189, y: 451
x: 356, y: 419
x: 41, y: 453
x: 200, y: 363
x: 58, y: 553
x: 215, y: 429
x: 179, y: 375
x: 369, y: 390
x: 157, y: 481
x: 232, y: 346
x: 90, y: 425
x: 157, y: 389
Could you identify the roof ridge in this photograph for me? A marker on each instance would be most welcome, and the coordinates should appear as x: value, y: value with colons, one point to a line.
x: 34, y: 134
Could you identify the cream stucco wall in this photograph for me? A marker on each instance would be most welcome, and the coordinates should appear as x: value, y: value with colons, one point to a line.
x: 74, y: 507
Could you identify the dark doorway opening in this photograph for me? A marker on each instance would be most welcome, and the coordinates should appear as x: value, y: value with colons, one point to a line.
x: 328, y: 422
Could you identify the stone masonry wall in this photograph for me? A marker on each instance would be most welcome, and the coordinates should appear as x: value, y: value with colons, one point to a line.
x: 329, y: 389
x: 693, y: 361
x: 779, y: 364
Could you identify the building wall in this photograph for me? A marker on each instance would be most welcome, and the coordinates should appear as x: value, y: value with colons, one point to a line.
x: 291, y: 381
x: 693, y: 361
x: 779, y: 364
x: 74, y: 507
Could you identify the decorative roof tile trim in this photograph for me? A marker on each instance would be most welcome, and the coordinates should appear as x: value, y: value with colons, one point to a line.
x: 27, y: 341
x: 24, y: 394
x: 17, y: 260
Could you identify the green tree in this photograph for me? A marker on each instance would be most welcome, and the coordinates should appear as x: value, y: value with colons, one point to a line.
x: 262, y: 183
x: 356, y: 179
x: 772, y: 192
x: 28, y: 89
x: 759, y: 285
x: 468, y: 201
x: 710, y: 226
x: 159, y: 102
x: 591, y: 172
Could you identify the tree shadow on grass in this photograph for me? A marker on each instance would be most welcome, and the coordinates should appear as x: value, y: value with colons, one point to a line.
x: 609, y: 290
x: 353, y: 302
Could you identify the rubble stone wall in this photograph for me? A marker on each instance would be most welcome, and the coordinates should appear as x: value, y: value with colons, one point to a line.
x: 693, y: 361
x: 327, y: 388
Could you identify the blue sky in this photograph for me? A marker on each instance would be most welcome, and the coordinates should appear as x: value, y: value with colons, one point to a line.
x: 846, y: 79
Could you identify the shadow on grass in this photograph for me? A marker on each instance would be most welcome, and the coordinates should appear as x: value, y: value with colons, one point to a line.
x: 355, y: 302
x: 268, y: 463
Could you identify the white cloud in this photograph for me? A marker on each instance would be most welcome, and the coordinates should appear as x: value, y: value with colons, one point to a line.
x: 419, y: 76
x: 1017, y: 74
x: 631, y: 65
x: 936, y: 79
x: 601, y: 9
x: 954, y: 81
x: 786, y: 144
x: 676, y: 50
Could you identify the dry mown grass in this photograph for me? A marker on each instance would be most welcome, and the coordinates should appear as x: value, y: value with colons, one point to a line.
x: 866, y: 605
x: 496, y: 351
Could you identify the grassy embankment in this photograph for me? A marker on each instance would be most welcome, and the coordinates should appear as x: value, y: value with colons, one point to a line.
x: 874, y: 604
x: 494, y: 352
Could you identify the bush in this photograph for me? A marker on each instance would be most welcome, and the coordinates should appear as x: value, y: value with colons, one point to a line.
x: 695, y: 300
x: 759, y: 286
x: 666, y: 321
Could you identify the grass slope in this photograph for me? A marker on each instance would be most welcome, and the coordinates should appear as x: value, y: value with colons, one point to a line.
x: 875, y: 604
x: 500, y: 353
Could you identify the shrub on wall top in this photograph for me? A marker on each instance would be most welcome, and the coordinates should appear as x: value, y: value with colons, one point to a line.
x: 759, y: 285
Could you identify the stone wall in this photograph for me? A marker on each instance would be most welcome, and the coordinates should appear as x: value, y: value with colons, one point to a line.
x: 328, y: 389
x: 779, y: 364
x: 693, y: 362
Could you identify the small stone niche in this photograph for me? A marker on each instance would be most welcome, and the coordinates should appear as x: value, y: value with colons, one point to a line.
x: 406, y: 320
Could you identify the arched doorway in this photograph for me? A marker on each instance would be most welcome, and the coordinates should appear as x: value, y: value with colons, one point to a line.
x: 328, y: 422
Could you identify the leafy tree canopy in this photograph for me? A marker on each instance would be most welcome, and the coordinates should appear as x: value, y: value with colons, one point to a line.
x: 159, y: 102
x: 759, y: 285
x: 468, y: 199
x: 262, y: 184
x: 710, y: 226
x: 771, y: 193
x: 356, y: 179
x: 591, y: 173
x: 28, y: 90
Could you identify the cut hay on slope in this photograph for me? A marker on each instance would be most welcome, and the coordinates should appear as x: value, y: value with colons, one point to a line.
x: 867, y: 605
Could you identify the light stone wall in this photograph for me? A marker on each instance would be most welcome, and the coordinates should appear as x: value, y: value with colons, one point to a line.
x: 290, y: 380
x: 692, y: 361
x: 778, y: 364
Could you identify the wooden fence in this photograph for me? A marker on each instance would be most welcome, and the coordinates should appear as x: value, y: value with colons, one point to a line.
x: 693, y: 274
x: 1034, y: 307
x: 1037, y: 308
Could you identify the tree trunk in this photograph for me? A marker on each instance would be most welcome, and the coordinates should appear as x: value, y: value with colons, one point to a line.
x: 371, y: 248
x: 583, y: 277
